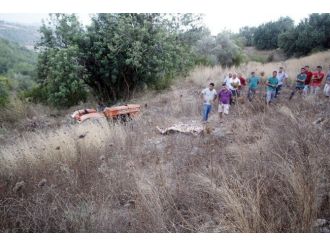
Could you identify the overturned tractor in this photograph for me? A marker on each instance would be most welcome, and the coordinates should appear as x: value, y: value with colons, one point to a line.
x: 121, y: 113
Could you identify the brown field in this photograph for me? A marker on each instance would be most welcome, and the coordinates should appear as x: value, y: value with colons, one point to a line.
x: 265, y: 169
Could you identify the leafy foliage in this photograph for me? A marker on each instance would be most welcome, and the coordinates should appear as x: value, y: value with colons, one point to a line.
x: 222, y: 49
x: 4, y: 91
x: 59, y: 70
x: 23, y: 35
x: 265, y: 36
x: 18, y: 65
x: 16, y: 58
x: 247, y: 33
x: 115, y: 56
x: 311, y: 34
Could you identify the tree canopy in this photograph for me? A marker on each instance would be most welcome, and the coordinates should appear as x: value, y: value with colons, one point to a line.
x: 114, y: 56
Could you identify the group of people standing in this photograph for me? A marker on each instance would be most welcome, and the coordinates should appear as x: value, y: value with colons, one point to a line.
x: 306, y: 82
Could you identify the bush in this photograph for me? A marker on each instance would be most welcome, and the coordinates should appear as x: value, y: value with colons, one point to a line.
x: 4, y: 91
x: 223, y: 50
x: 117, y: 55
x: 311, y: 35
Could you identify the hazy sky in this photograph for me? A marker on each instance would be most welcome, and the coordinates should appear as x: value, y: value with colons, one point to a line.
x: 219, y: 15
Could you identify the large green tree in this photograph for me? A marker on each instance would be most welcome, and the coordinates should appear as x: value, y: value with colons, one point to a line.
x: 311, y: 34
x: 114, y: 56
x: 125, y: 52
x: 60, y: 72
x: 265, y: 36
x: 222, y: 49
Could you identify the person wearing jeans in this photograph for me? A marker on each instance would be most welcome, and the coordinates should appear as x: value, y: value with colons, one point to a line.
x: 208, y: 94
x: 272, y: 83
x: 253, y: 82
x: 300, y: 83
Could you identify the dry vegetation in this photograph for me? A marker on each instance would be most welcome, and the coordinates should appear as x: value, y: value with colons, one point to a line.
x: 263, y: 170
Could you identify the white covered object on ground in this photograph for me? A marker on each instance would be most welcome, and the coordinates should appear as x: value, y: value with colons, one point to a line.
x: 193, y: 127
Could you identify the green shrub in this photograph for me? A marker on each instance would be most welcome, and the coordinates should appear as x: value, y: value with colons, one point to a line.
x: 4, y: 91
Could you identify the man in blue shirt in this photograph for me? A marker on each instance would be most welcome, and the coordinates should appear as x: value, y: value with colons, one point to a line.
x: 253, y: 82
x: 272, y: 83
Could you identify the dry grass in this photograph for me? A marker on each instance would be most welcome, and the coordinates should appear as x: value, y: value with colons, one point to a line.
x: 267, y: 171
x: 292, y: 66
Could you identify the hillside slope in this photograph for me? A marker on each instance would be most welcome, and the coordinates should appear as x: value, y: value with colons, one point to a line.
x: 16, y: 58
x: 23, y: 35
x: 265, y: 169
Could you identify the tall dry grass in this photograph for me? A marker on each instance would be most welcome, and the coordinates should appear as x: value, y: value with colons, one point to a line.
x: 267, y: 171
x: 292, y: 66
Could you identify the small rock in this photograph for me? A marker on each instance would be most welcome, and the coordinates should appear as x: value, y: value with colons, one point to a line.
x: 18, y: 186
x: 58, y: 148
x: 82, y: 135
x: 102, y: 157
x: 130, y: 204
x: 42, y: 183
x: 325, y: 230
x: 320, y: 222
x: 319, y: 120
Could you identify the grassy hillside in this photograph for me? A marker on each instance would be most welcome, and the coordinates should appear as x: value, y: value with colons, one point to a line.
x: 17, y: 70
x: 262, y: 170
x: 14, y: 57
x: 263, y: 56
x: 21, y: 34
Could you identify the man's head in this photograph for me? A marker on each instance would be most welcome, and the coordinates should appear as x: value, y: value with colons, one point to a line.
x: 280, y: 70
x: 234, y: 75
x: 319, y: 68
x: 306, y: 68
x: 224, y: 86
x: 211, y: 86
x: 230, y: 75
x: 274, y: 73
x: 253, y: 73
x: 302, y: 70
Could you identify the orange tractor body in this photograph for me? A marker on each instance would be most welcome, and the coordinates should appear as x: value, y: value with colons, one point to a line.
x: 115, y: 112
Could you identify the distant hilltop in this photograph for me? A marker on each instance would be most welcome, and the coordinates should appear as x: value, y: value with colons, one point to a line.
x: 24, y: 35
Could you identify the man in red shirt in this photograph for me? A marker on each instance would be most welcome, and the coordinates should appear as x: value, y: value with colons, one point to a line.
x: 308, y: 80
x: 317, y: 79
x: 243, y: 83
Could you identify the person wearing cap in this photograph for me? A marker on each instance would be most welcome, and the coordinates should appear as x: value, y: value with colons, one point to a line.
x: 317, y: 79
x: 300, y: 82
x: 282, y: 78
x: 208, y: 95
x: 253, y: 82
x: 272, y: 83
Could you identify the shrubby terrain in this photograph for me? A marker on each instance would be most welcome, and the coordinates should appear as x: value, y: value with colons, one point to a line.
x: 263, y: 170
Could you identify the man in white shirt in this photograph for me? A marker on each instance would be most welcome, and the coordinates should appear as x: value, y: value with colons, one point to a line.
x: 228, y: 79
x: 282, y: 78
x: 233, y: 85
x: 208, y: 94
